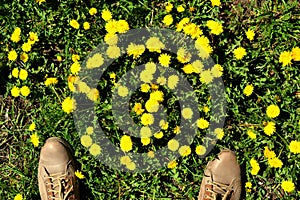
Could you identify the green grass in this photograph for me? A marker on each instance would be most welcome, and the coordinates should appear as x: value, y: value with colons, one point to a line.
x: 277, y: 29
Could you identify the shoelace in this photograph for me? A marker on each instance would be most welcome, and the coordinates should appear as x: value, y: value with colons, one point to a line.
x: 219, y: 189
x: 60, y: 186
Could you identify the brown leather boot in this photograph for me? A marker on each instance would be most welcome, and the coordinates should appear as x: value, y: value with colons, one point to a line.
x: 221, y: 178
x: 56, y: 172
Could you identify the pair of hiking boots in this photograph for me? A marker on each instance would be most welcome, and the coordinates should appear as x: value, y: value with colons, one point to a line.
x: 57, y: 180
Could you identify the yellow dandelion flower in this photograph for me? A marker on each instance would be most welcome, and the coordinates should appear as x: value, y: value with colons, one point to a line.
x: 255, y: 166
x: 217, y: 70
x: 161, y: 80
x: 157, y: 96
x: 173, y: 145
x: 145, y: 87
x: 122, y: 26
x: 216, y: 28
x: 59, y: 58
x: 151, y: 154
x: 40, y: 1
x: 125, y: 160
x: 150, y: 67
x: 273, y: 111
x: 18, y: 197
x: 33, y: 37
x: 275, y: 162
x: 248, y: 185
x: 15, y: 72
x: 12, y: 55
x: 201, y: 42
x: 26, y: 47
x: 137, y: 108
x: 74, y: 23
x: 239, y: 53
x: 51, y: 81
x: 202, y: 123
x: 111, y: 26
x: 188, y: 69
x: 206, y: 76
x: 93, y: 11
x: 95, y: 149
x: 154, y: 87
x: 95, y: 61
x: 106, y: 15
x: 89, y: 130
x: 23, y: 74
x: 182, y: 24
x: 250, y: 34
x: 75, y: 68
x: 288, y: 186
x: 126, y: 143
x: 86, y: 26
x: 113, y: 52
x: 215, y: 2
x: 131, y: 166
x: 83, y: 87
x: 146, y: 77
x: 168, y: 20
x: 180, y: 8
x: 163, y: 124
x: 111, y: 39
x: 169, y: 7
x: 286, y: 58
x: 75, y: 57
x: 35, y: 140
x: 200, y: 150
x: 93, y: 94
x: 270, y: 128
x: 122, y: 91
x: 184, y: 150
x: 68, y: 105
x: 79, y: 174
x: 31, y: 127
x: 159, y: 135
x: 219, y: 133
x: 268, y: 153
x: 296, y: 54
x: 147, y: 119
x: 164, y: 59
x: 177, y: 130
x: 251, y: 134
x: 86, y: 140
x: 172, y: 164
x: 15, y: 91
x: 187, y: 113
x: 198, y: 66
x: 248, y: 90
x: 145, y: 132
x: 183, y: 55
x: 25, y: 91
x: 173, y: 81
x: 24, y: 57
x: 154, y: 44
x: 15, y: 37
x: 206, y: 109
x: 294, y: 147
x: 145, y: 141
x: 152, y: 105
x: 135, y: 50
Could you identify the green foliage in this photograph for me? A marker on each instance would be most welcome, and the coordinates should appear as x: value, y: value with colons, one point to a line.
x: 276, y: 25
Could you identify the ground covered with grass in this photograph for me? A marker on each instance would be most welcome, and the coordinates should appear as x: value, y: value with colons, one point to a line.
x: 255, y: 46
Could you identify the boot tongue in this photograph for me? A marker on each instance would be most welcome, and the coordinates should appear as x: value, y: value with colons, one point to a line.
x: 56, y: 170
